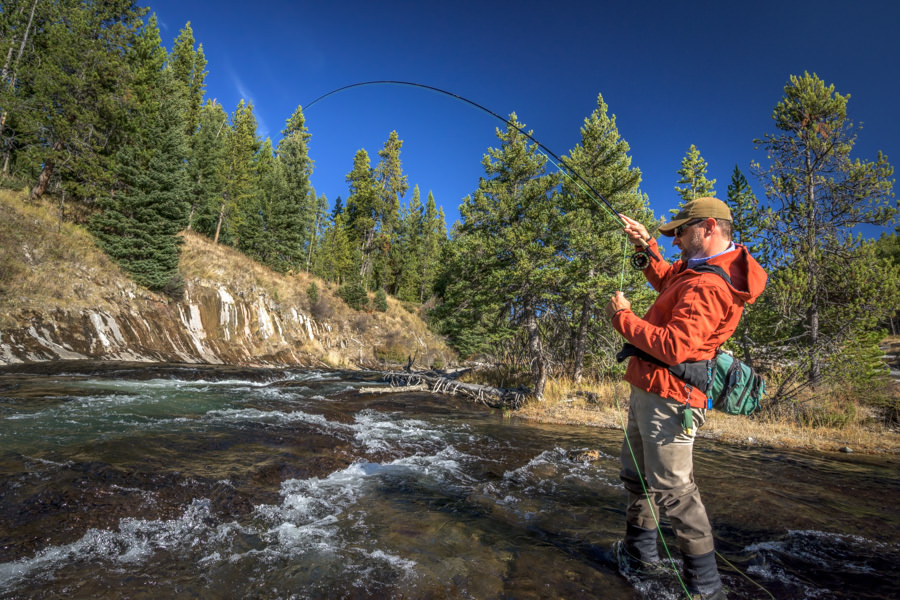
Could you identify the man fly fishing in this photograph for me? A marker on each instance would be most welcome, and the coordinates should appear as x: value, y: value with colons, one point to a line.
x: 697, y: 310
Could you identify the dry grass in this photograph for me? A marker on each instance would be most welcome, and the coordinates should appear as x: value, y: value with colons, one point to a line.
x: 46, y: 264
x: 218, y: 264
x: 607, y: 405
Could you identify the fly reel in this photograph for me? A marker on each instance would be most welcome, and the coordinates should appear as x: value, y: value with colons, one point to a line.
x: 640, y: 260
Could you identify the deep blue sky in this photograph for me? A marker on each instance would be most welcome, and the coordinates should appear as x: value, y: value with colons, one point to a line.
x: 673, y: 74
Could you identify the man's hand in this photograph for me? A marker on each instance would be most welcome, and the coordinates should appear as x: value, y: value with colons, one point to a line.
x: 636, y: 232
x: 616, y: 303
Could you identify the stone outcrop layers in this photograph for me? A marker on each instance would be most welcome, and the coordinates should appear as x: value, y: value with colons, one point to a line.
x: 211, y: 324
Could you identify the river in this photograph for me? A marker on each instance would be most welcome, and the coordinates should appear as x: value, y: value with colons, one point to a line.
x: 173, y: 481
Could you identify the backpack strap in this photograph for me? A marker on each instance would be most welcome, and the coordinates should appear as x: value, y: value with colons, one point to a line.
x: 632, y: 350
x: 694, y: 373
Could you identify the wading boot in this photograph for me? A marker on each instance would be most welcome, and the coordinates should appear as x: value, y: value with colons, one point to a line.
x: 719, y: 594
x: 701, y: 576
x: 638, y: 553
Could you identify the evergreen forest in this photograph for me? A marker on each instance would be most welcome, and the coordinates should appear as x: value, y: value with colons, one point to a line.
x: 98, y: 116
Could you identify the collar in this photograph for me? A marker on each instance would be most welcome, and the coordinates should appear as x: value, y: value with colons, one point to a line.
x: 693, y: 262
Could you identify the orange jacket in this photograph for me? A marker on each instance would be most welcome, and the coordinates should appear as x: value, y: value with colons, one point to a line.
x: 693, y: 315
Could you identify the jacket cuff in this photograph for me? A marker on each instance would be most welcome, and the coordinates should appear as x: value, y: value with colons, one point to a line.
x: 617, y: 318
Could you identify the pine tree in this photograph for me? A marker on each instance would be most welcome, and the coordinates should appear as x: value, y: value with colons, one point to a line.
x: 434, y: 238
x: 206, y: 168
x: 255, y: 235
x: 823, y: 280
x: 66, y: 106
x: 238, y: 202
x: 296, y: 216
x: 335, y: 257
x: 747, y: 216
x: 363, y: 211
x: 594, y: 239
x: 147, y: 60
x: 188, y: 67
x: 139, y: 224
x: 321, y: 214
x: 406, y: 252
x: 887, y: 247
x: 693, y: 175
x: 504, y: 264
x: 338, y: 208
x: 17, y: 28
x: 392, y: 186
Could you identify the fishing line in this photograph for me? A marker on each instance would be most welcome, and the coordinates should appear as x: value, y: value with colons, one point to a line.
x: 594, y: 195
x: 640, y: 260
x: 744, y: 575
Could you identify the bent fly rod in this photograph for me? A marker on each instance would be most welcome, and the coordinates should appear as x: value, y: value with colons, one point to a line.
x: 639, y: 260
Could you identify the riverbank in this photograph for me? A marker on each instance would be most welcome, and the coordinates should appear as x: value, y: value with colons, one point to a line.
x: 606, y: 404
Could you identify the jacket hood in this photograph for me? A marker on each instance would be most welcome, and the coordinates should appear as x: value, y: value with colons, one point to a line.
x: 748, y: 278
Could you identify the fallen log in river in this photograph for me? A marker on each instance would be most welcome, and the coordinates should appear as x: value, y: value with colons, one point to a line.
x: 438, y: 383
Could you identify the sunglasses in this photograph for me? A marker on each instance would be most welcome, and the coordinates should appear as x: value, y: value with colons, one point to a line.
x: 680, y: 229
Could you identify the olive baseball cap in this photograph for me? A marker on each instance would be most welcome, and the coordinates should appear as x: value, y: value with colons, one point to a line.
x: 700, y: 208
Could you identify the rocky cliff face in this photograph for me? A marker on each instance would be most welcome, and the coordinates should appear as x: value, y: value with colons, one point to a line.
x: 61, y: 302
x: 208, y: 326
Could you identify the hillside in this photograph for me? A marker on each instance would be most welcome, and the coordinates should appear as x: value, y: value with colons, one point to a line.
x: 61, y: 298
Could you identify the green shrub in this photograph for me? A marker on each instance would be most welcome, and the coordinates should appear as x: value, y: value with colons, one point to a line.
x: 860, y: 362
x: 381, y: 304
x: 312, y: 292
x: 354, y: 294
x: 391, y: 354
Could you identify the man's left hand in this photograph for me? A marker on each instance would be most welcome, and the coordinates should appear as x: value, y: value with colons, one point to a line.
x: 616, y: 303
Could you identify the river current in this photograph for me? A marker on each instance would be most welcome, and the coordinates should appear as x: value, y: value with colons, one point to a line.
x: 168, y: 481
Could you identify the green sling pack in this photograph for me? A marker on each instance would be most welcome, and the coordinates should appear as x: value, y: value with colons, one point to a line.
x: 735, y: 387
x: 731, y: 385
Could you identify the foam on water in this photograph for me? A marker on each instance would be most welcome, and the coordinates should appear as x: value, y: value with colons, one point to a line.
x: 73, y: 407
x: 94, y: 409
x: 380, y: 432
x: 278, y: 417
x: 318, y: 518
x: 135, y: 540
x: 819, y: 547
x: 201, y: 384
x: 323, y: 517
